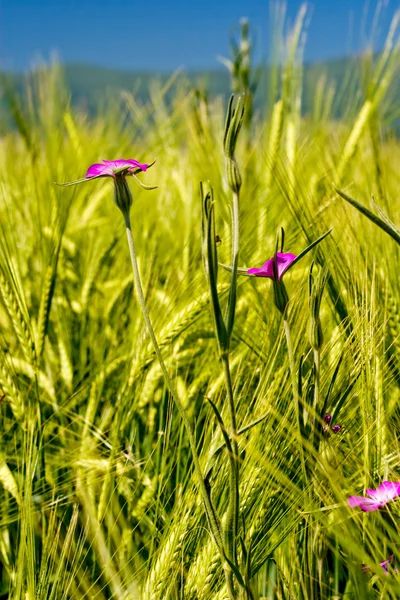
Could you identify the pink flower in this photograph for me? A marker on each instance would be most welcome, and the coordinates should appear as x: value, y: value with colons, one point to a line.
x: 282, y: 262
x: 334, y: 428
x: 385, y: 564
x: 276, y: 267
x: 118, y: 170
x: 111, y: 168
x: 387, y: 491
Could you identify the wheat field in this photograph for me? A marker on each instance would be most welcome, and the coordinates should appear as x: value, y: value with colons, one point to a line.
x: 99, y: 472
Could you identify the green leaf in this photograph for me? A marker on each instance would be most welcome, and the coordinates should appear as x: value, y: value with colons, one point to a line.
x: 228, y: 119
x: 382, y: 224
x: 307, y: 250
x: 236, y: 572
x: 248, y: 564
x: 343, y: 399
x: 240, y: 271
x: 222, y: 426
x: 83, y: 180
x: 210, y: 261
x: 253, y: 423
x: 243, y: 547
x: 331, y: 385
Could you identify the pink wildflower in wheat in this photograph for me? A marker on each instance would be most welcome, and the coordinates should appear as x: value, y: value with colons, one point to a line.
x: 385, y: 564
x: 275, y: 267
x: 387, y: 491
x: 334, y: 428
x: 111, y: 168
x: 118, y: 170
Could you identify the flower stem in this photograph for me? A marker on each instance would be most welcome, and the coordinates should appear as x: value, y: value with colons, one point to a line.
x: 232, y: 517
x: 211, y: 514
x: 232, y: 520
x: 317, y: 360
x: 295, y: 391
x: 230, y: 316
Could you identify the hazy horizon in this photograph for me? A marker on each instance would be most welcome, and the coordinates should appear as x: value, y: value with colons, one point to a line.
x: 173, y: 36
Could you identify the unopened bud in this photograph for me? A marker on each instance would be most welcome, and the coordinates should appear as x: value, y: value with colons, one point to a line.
x: 233, y: 124
x: 122, y: 194
x: 315, y: 334
x: 281, y: 297
x: 233, y: 175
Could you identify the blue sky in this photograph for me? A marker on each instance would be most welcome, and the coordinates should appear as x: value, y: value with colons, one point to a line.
x: 166, y: 35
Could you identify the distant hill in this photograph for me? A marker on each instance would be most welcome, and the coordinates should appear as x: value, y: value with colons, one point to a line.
x: 90, y: 86
x: 85, y: 80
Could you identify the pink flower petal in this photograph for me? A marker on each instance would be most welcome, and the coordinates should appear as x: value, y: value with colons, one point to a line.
x: 369, y: 506
x: 355, y: 501
x: 267, y: 270
x: 125, y: 163
x: 283, y: 261
x: 137, y: 165
x: 388, y: 490
x: 108, y: 168
x: 374, y: 494
x: 118, y: 165
x: 386, y: 563
x: 366, y: 504
x: 99, y: 170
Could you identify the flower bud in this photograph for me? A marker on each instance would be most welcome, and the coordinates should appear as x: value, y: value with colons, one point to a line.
x: 233, y: 124
x: 122, y: 194
x: 315, y: 334
x: 233, y: 175
x: 281, y: 297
